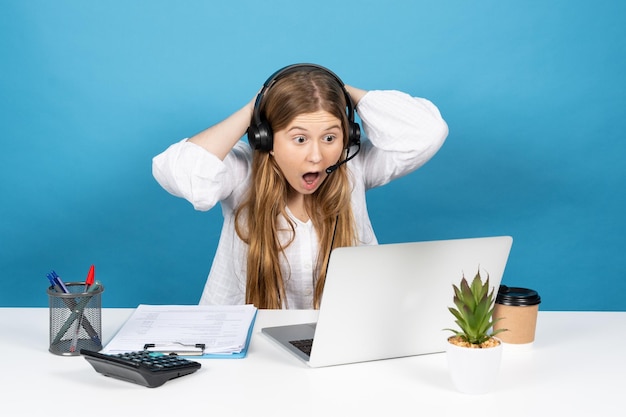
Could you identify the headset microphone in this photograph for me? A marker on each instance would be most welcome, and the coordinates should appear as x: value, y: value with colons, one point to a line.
x: 333, y: 168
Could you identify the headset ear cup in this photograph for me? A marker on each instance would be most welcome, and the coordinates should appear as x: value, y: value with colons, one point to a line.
x: 253, y: 137
x: 355, y: 134
x: 260, y: 137
x: 266, y: 139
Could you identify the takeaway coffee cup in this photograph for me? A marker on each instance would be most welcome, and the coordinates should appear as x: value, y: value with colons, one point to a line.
x: 517, y: 310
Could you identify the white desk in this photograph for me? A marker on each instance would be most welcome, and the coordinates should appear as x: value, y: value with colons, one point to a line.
x: 576, y: 368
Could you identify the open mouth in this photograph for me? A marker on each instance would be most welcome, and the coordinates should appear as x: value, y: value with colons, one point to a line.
x: 310, y: 177
x: 311, y: 180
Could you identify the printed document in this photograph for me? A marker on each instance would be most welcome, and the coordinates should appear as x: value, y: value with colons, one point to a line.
x: 222, y: 329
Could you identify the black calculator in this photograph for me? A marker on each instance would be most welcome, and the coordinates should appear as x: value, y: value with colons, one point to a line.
x: 150, y: 369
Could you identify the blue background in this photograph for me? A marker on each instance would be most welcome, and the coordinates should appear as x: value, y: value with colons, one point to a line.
x: 534, y: 93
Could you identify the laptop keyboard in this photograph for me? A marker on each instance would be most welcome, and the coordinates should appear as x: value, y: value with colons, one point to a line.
x: 303, y: 345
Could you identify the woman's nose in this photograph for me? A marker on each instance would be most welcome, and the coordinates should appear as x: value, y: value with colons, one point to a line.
x: 315, y: 153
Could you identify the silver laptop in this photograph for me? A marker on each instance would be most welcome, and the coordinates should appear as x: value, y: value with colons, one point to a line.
x: 391, y: 300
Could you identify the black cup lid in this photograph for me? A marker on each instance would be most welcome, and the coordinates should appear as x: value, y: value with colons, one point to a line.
x: 516, y: 296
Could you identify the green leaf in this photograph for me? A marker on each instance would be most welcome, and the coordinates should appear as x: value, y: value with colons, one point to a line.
x: 474, y: 304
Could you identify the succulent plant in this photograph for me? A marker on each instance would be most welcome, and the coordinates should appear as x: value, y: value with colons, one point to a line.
x: 474, y: 311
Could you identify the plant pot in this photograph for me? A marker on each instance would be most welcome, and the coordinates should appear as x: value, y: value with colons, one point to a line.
x: 474, y: 370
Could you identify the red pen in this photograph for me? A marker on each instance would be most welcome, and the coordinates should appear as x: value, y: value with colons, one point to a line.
x: 90, y: 277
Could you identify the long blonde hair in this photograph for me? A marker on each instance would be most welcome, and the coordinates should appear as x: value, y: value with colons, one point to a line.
x: 329, y: 207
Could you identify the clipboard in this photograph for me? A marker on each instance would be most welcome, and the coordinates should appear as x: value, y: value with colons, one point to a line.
x: 197, y: 349
x: 211, y: 332
x: 176, y: 348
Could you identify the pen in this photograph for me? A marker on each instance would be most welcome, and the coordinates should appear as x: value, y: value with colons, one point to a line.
x: 75, y: 338
x: 88, y: 283
x: 53, y: 283
x: 78, y: 311
x: 90, y: 277
x: 59, y: 282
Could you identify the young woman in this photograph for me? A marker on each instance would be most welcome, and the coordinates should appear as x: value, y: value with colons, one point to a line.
x: 296, y: 190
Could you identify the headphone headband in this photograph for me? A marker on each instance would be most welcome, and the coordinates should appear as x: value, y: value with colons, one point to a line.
x: 260, y: 135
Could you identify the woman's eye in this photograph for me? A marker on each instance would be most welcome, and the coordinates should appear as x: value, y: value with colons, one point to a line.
x: 329, y: 138
x: 300, y: 139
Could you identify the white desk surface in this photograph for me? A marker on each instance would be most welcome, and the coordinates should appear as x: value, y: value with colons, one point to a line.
x: 575, y: 368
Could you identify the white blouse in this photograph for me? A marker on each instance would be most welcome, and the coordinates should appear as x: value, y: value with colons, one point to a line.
x: 401, y: 133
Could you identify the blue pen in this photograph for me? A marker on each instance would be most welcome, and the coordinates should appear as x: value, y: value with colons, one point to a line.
x: 53, y: 283
x: 59, y: 282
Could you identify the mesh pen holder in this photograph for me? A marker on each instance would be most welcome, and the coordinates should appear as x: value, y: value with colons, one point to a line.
x: 75, y: 319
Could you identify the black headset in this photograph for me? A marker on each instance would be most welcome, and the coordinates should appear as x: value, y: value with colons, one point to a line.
x: 260, y: 135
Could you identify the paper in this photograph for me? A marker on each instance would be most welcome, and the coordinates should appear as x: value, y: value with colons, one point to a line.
x: 222, y: 329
